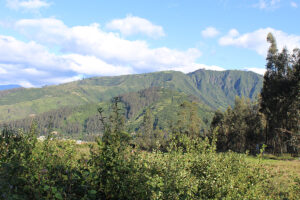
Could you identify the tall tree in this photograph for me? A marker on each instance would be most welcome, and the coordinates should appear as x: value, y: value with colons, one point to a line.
x: 114, y: 126
x: 279, y: 96
x: 240, y: 128
x: 145, y: 138
x: 189, y: 121
x: 147, y: 125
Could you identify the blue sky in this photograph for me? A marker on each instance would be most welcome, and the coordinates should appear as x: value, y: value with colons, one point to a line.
x: 44, y: 42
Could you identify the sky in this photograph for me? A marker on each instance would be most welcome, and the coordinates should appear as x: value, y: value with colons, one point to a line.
x: 46, y: 42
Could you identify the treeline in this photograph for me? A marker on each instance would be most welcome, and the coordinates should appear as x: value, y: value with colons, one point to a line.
x: 274, y: 120
x: 59, y: 120
x: 115, y: 168
x: 280, y: 98
x: 240, y: 128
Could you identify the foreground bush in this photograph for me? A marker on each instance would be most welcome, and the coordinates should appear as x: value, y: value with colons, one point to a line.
x: 192, y: 170
x: 38, y: 170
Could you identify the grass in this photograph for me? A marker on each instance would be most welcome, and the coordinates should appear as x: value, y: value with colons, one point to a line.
x: 283, y: 172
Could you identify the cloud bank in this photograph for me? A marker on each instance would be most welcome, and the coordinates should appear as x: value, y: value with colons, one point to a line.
x: 256, y: 40
x: 31, y: 5
x: 82, y: 51
x: 132, y: 25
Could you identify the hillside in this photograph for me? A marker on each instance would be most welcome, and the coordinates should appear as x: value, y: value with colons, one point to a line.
x: 83, y: 120
x: 215, y: 89
x: 219, y: 89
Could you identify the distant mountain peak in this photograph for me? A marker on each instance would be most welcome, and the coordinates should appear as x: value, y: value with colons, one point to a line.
x: 8, y: 87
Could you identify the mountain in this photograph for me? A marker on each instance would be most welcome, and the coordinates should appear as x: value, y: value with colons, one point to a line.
x: 215, y: 89
x: 219, y: 89
x: 81, y: 121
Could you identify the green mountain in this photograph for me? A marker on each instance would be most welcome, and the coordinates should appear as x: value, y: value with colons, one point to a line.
x: 84, y: 120
x: 73, y: 106
x: 214, y: 88
x: 219, y: 89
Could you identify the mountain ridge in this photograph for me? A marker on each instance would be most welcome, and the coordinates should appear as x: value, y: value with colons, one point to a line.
x: 217, y: 89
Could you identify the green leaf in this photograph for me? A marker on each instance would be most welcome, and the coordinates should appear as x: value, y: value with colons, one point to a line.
x: 58, y: 195
x: 92, y: 192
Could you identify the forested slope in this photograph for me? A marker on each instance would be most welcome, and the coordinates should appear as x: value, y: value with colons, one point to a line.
x: 84, y: 120
x: 215, y: 89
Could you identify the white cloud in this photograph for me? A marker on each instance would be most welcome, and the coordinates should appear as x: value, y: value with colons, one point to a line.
x: 132, y: 25
x: 30, y: 64
x: 210, y: 32
x: 41, y: 29
x: 106, y: 46
x: 256, y: 40
x: 31, y: 54
x: 294, y: 4
x: 25, y: 63
x: 25, y: 84
x: 194, y: 67
x: 260, y: 71
x: 33, y: 72
x: 27, y: 5
x: 65, y: 79
x: 233, y: 33
x: 2, y: 70
x: 82, y: 51
x: 267, y: 4
x: 90, y: 65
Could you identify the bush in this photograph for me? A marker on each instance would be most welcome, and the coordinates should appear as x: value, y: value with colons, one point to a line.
x: 189, y: 169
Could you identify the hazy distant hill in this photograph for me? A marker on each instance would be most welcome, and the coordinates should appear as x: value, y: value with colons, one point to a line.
x: 8, y: 87
x: 215, y: 90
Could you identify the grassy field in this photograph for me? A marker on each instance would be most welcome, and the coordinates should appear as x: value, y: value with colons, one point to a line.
x: 283, y: 172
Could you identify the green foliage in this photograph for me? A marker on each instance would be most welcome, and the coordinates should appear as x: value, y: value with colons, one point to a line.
x: 145, y: 138
x: 110, y: 166
x: 280, y: 99
x: 190, y: 168
x: 240, y: 128
x: 189, y: 121
x: 83, y: 122
x: 15, y: 155
x: 39, y: 170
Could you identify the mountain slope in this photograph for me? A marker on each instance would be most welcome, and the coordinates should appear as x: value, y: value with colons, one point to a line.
x: 82, y: 121
x: 219, y: 89
x: 216, y: 89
